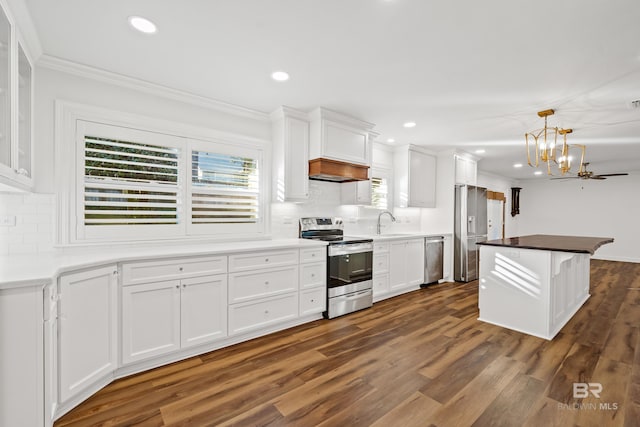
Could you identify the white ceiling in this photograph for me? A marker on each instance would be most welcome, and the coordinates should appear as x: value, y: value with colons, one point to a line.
x: 472, y: 74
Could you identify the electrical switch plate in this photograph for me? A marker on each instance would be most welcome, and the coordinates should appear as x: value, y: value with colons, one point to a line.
x: 7, y: 220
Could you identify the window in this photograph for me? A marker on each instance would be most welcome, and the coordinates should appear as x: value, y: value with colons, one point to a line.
x: 140, y: 185
x: 379, y: 193
x: 381, y: 188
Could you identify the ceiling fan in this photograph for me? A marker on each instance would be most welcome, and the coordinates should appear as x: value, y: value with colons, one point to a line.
x: 583, y: 173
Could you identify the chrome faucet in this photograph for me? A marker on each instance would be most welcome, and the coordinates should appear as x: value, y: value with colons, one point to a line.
x: 393, y: 218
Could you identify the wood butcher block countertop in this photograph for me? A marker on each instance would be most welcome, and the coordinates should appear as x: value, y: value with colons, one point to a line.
x: 545, y: 242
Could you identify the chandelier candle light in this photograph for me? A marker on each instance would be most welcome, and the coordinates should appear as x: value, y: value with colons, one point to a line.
x: 545, y: 142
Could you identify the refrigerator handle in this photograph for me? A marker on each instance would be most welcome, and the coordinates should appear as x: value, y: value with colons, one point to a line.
x: 471, y: 225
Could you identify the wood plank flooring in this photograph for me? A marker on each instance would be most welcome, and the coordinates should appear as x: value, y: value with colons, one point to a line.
x: 421, y: 359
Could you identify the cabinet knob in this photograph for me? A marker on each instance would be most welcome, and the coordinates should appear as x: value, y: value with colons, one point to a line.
x: 312, y: 300
x: 313, y: 255
x: 177, y: 286
x: 184, y: 286
x: 266, y: 260
x: 180, y: 268
x: 313, y: 275
x: 266, y: 283
x: 266, y: 312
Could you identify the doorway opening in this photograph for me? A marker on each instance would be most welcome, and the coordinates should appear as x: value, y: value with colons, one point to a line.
x: 496, y: 202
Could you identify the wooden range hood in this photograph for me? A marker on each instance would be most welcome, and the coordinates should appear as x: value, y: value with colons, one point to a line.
x: 337, y: 171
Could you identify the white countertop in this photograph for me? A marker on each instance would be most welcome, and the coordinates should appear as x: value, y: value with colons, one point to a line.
x: 399, y: 236
x: 41, y: 268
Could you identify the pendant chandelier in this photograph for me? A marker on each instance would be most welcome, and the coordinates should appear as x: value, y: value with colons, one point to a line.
x: 547, y: 152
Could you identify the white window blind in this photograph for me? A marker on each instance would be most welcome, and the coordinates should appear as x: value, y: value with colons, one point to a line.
x: 225, y: 188
x: 379, y: 193
x: 129, y: 183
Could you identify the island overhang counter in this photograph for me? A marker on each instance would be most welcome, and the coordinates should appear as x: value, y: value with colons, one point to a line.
x: 535, y: 284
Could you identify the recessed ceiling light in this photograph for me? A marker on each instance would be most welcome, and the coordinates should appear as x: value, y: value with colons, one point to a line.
x: 391, y: 140
x: 480, y: 151
x: 409, y: 124
x: 280, y: 76
x: 142, y: 24
x: 517, y: 165
x: 537, y: 173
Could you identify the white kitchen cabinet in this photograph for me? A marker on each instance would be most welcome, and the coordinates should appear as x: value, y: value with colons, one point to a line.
x: 162, y: 317
x: 16, y: 107
x: 337, y: 136
x: 380, y: 269
x: 261, y: 283
x: 290, y: 131
x: 262, y: 313
x: 466, y: 170
x: 134, y: 273
x: 356, y: 193
x: 313, y: 301
x: 21, y: 357
x: 414, y: 178
x: 406, y: 264
x: 87, y: 327
x: 203, y: 311
x: 447, y: 258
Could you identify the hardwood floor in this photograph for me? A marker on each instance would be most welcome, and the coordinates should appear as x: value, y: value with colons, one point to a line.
x: 421, y: 359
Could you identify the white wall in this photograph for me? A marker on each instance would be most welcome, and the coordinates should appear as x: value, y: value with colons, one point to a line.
x: 51, y: 85
x: 607, y: 208
x: 502, y: 185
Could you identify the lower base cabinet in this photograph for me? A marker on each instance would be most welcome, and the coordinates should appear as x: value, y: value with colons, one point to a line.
x: 262, y: 313
x: 406, y: 264
x: 313, y: 300
x: 87, y: 329
x: 159, y: 318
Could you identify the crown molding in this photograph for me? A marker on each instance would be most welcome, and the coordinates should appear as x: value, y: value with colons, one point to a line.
x: 88, y: 72
x: 25, y: 27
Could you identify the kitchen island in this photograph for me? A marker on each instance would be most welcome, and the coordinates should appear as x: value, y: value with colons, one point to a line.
x: 535, y: 284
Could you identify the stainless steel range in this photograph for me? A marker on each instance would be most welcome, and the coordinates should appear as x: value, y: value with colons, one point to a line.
x: 349, y: 265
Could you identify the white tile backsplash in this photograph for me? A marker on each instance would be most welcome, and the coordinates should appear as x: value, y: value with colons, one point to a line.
x: 324, y: 200
x: 34, y: 223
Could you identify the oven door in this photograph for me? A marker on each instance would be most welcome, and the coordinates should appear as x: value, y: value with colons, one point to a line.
x: 350, y: 264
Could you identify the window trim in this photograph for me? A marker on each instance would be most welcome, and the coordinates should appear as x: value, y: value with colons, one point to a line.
x: 68, y: 150
x: 386, y: 173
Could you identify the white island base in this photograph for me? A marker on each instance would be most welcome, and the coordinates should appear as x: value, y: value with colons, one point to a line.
x: 531, y: 290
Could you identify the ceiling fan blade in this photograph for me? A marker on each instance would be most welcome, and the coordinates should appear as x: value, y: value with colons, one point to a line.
x: 567, y: 177
x: 597, y: 177
x: 613, y: 174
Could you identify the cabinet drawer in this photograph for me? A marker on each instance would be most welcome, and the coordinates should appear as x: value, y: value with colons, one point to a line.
x: 380, y: 247
x: 313, y: 255
x: 313, y: 301
x: 262, y: 283
x: 312, y: 275
x: 262, y: 313
x: 380, y: 284
x: 255, y: 260
x: 380, y: 263
x: 134, y: 273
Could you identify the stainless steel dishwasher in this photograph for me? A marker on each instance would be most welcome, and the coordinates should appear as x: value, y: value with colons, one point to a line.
x: 433, y: 259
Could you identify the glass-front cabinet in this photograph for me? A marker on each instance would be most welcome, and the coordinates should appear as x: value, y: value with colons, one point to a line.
x: 16, y: 94
x: 6, y: 146
x: 24, y: 113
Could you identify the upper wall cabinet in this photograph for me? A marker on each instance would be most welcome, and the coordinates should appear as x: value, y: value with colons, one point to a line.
x: 466, y: 170
x: 339, y: 137
x: 290, y: 132
x: 16, y: 91
x: 415, y: 178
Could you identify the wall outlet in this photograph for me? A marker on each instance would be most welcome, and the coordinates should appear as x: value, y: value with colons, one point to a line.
x: 7, y: 220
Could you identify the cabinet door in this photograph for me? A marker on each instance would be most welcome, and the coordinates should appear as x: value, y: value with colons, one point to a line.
x: 346, y: 143
x: 296, y: 159
x: 356, y: 193
x: 422, y: 180
x: 150, y: 320
x: 6, y: 153
x: 203, y: 310
x: 415, y: 262
x: 397, y: 270
x: 87, y: 329
x: 24, y: 114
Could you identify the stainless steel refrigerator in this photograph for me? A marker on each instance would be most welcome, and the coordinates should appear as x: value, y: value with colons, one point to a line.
x: 470, y: 227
